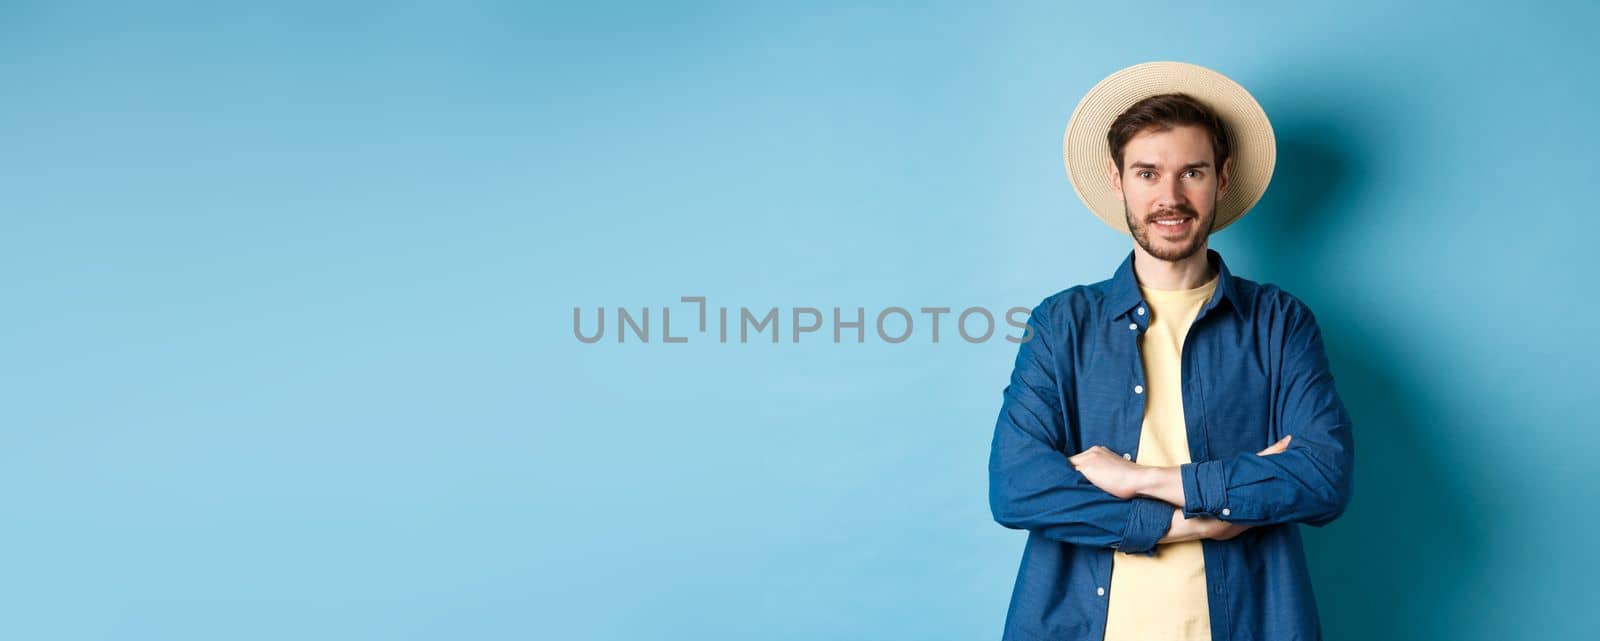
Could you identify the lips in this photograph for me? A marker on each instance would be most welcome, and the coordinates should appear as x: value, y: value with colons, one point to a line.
x: 1172, y: 225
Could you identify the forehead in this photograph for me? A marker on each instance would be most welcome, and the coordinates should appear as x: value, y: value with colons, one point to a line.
x: 1178, y: 145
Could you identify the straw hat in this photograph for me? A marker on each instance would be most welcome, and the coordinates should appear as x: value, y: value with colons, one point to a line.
x: 1249, y: 133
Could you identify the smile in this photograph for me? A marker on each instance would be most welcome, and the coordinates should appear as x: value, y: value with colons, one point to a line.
x: 1172, y: 224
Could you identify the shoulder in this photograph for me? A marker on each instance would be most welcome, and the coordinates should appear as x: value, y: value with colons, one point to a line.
x: 1077, y: 299
x: 1071, y: 308
x: 1271, y: 304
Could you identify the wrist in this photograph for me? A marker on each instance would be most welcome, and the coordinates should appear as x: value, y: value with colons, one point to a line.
x: 1145, y: 480
x: 1164, y: 483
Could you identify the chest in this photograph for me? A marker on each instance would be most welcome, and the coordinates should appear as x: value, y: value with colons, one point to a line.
x: 1225, y: 372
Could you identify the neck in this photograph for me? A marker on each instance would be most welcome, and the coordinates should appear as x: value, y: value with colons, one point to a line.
x: 1156, y: 273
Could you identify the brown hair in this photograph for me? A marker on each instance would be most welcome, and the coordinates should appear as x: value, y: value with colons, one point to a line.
x: 1165, y: 111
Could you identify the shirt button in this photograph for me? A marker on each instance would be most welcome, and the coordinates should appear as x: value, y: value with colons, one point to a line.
x: 1133, y: 326
x: 1100, y: 591
x: 1226, y: 511
x: 1138, y: 389
x: 1127, y: 456
x: 1141, y: 311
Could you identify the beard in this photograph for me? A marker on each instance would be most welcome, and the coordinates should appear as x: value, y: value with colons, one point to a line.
x: 1171, y: 251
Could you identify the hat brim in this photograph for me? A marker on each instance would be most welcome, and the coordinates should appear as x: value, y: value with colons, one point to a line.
x: 1087, y: 154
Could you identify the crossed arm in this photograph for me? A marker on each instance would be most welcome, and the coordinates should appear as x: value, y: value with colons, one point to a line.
x: 1125, y: 479
x: 1097, y: 498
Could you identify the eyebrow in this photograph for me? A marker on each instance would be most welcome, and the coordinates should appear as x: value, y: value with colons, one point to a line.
x: 1145, y: 165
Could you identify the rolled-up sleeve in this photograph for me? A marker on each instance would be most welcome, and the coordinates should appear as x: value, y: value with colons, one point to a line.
x: 1312, y: 481
x: 1032, y: 484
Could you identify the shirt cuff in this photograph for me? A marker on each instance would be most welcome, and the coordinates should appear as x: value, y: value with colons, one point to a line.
x: 1148, y: 521
x: 1204, y: 491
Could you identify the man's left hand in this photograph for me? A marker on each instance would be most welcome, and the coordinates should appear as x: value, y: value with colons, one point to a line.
x: 1108, y: 471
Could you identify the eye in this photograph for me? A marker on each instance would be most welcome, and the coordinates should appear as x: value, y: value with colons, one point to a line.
x: 1194, y: 172
x: 1144, y: 173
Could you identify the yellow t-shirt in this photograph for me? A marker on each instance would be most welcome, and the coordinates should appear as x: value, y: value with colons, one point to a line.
x: 1163, y: 597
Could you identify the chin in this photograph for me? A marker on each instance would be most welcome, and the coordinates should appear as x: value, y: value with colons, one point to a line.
x: 1174, y: 251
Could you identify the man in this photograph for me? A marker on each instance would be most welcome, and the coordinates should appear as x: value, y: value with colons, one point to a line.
x: 1165, y: 431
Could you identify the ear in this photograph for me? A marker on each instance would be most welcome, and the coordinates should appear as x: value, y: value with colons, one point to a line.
x: 1224, y: 178
x: 1113, y: 175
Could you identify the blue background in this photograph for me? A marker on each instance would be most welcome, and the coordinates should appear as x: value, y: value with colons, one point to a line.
x: 288, y: 291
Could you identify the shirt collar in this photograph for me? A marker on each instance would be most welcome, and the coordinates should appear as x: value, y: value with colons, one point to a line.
x: 1125, y: 293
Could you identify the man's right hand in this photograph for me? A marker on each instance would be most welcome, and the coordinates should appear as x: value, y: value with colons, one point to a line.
x: 1221, y: 530
x: 1200, y: 527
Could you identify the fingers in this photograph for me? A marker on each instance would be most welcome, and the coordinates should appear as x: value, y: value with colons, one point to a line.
x: 1080, y: 455
x: 1276, y: 448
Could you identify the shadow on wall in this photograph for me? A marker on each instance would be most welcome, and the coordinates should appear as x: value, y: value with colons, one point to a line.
x: 1402, y: 557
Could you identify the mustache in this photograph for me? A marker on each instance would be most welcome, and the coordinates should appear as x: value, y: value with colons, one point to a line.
x: 1180, y: 209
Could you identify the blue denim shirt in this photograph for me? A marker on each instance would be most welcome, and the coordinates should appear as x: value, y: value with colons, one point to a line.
x: 1253, y: 370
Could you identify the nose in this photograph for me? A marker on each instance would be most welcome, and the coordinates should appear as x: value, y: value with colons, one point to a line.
x: 1171, y: 194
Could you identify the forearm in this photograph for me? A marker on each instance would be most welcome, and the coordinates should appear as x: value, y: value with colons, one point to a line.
x: 1165, y: 483
x: 1280, y: 495
x: 1308, y: 484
